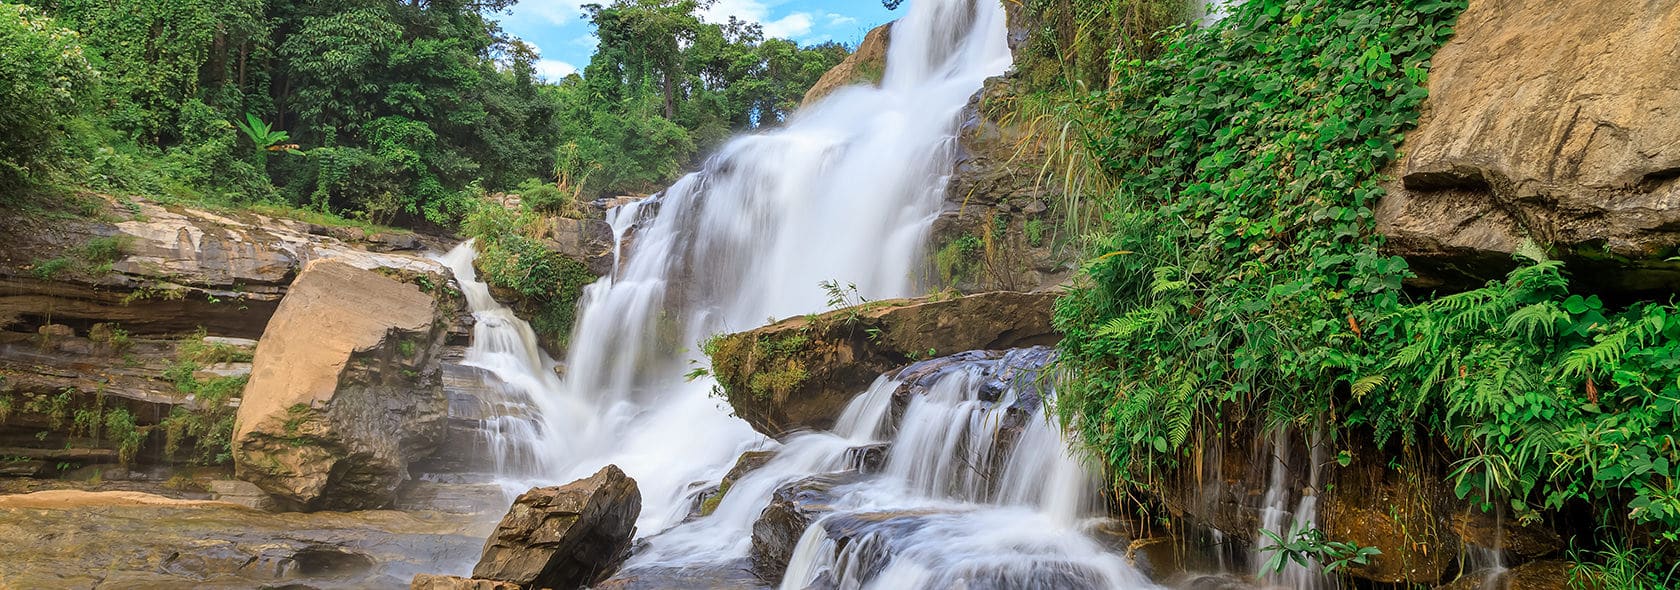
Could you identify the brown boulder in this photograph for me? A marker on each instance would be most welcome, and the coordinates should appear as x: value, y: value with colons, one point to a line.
x: 1552, y: 121
x: 567, y: 536
x: 345, y: 389
x: 864, y: 66
x: 793, y: 507
x: 801, y: 372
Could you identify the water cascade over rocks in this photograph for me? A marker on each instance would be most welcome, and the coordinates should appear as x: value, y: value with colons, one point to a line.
x: 845, y: 192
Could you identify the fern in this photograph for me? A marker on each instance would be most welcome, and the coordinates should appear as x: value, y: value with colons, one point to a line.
x: 1604, y: 355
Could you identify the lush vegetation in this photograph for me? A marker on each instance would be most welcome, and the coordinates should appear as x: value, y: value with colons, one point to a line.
x: 1237, y: 278
x: 513, y: 259
x: 381, y: 110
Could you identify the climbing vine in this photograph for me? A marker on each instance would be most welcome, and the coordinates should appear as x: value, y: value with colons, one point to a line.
x: 1241, y: 278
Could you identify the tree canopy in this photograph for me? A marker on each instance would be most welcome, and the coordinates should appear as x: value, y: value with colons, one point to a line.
x: 394, y: 110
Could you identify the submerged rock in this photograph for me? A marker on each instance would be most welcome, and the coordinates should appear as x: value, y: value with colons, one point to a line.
x: 1552, y: 121
x: 84, y: 540
x: 792, y: 509
x: 565, y: 537
x: 345, y: 391
x: 800, y: 373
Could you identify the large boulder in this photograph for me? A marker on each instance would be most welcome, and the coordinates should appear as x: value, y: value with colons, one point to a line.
x: 801, y: 372
x: 345, y: 389
x: 565, y: 537
x: 866, y: 65
x: 1551, y: 121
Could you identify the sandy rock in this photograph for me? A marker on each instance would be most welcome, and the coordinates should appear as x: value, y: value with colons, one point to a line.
x: 564, y: 537
x: 243, y: 493
x: 345, y: 390
x: 436, y: 582
x: 1553, y: 121
x: 864, y: 66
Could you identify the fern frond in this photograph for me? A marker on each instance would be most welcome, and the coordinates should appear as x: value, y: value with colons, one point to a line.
x: 1538, y: 318
x: 1531, y: 250
x: 1367, y: 384
x: 1609, y: 349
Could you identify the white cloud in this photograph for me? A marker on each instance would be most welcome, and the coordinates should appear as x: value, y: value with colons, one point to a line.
x: 839, y: 20
x: 554, y: 70
x: 792, y: 26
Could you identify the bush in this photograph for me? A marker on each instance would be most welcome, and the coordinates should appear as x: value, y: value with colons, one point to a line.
x: 511, y: 257
x: 44, y: 80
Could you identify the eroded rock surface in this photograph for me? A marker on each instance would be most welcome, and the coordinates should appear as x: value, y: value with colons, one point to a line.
x: 1556, y: 121
x: 801, y: 372
x: 864, y: 66
x: 346, y: 389
x: 85, y: 540
x: 564, y: 537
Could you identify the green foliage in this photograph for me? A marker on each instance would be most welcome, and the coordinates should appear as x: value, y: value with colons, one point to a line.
x: 511, y: 256
x: 1241, y: 280
x: 1623, y: 567
x: 45, y: 82
x: 957, y: 260
x: 1310, y: 544
x: 1244, y: 158
x: 91, y: 260
x: 207, y: 419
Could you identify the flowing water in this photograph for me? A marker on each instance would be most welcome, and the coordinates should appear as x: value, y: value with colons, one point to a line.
x: 1277, y: 517
x: 974, y: 485
x: 846, y: 192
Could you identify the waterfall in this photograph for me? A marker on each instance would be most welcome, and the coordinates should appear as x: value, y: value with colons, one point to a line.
x: 1277, y: 518
x: 846, y: 191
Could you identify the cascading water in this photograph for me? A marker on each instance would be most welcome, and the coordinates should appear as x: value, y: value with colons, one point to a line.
x: 977, y: 489
x: 1278, y: 519
x: 846, y: 191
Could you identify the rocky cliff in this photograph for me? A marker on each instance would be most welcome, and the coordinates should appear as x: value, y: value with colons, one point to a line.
x: 1551, y: 121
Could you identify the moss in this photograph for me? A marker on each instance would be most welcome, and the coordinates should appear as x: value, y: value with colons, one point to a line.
x: 758, y: 365
x: 90, y: 260
x: 957, y: 260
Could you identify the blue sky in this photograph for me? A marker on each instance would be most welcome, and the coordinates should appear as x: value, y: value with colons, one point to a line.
x: 558, y: 30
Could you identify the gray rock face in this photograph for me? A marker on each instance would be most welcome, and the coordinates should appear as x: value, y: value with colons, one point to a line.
x: 996, y: 230
x: 346, y: 389
x: 564, y: 537
x: 1552, y: 121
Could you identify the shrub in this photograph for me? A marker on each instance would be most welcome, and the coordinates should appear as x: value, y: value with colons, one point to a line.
x: 44, y: 80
